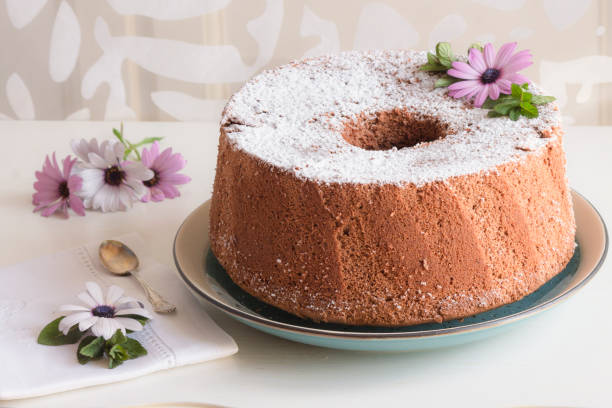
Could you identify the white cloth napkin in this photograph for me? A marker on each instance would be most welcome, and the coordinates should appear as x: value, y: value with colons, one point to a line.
x: 31, y: 292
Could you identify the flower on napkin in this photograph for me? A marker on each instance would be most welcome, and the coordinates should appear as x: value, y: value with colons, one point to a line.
x: 165, y: 167
x: 109, y: 183
x: 104, y: 316
x: 109, y: 319
x: 56, y: 189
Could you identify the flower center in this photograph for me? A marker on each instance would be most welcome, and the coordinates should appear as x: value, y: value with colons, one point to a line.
x: 103, y: 311
x: 114, y: 175
x: 63, y: 189
x: 490, y: 75
x: 153, y: 181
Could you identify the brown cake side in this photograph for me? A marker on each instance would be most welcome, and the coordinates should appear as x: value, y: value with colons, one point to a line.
x: 391, y: 255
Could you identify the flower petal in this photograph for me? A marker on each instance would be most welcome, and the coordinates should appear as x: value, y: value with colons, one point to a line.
x: 140, y: 311
x: 493, y: 91
x: 113, y: 294
x: 518, y: 79
x: 87, y: 299
x: 481, y: 96
x: 476, y: 60
x: 130, y: 324
x: 517, y: 62
x: 503, y: 55
x: 67, y: 322
x: 489, y: 55
x: 72, y: 308
x: 51, y: 209
x: 98, y: 161
x: 463, y: 71
x: 95, y: 291
x: 77, y: 205
x: 504, y: 85
x: 87, y: 323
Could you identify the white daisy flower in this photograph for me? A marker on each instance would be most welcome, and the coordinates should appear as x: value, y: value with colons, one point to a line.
x: 104, y: 316
x: 109, y: 184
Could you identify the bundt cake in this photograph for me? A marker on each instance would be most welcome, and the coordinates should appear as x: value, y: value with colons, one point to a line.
x: 349, y: 190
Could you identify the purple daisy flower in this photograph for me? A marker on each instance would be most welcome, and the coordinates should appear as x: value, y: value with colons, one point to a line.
x: 165, y: 167
x: 488, y: 74
x: 55, y: 188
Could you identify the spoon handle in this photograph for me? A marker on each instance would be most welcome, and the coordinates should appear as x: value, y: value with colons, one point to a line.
x: 160, y: 305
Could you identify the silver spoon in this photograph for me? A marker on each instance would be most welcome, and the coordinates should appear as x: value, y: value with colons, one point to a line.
x: 120, y: 260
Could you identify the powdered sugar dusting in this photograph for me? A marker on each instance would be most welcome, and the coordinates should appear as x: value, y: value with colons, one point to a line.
x: 292, y: 117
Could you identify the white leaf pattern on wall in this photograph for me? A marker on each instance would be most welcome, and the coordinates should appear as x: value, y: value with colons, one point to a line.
x: 22, y: 12
x: 586, y: 72
x: 81, y: 114
x: 449, y: 28
x: 564, y: 13
x: 167, y: 9
x: 520, y: 33
x: 5, y: 117
x: 327, y: 31
x: 19, y: 97
x: 502, y: 5
x: 186, y: 107
x: 265, y: 29
x: 65, y: 43
x: 380, y: 26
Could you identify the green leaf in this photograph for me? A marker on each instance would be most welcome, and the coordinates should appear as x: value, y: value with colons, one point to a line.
x: 112, y: 363
x: 83, y: 359
x: 50, y: 335
x: 94, y: 348
x: 118, y: 352
x: 525, y: 86
x: 490, y: 103
x: 478, y: 46
x: 517, y: 91
x: 117, y: 338
x: 445, y: 81
x: 134, y: 348
x: 432, y: 59
x: 515, y: 113
x: 526, y: 97
x: 493, y: 114
x: 529, y: 110
x: 505, y: 107
x: 541, y: 99
x: 444, y: 54
x: 433, y: 68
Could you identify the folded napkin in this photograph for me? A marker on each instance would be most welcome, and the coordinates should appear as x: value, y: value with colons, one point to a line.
x: 31, y: 292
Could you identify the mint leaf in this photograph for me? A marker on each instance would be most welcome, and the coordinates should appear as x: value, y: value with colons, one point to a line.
x: 525, y: 86
x: 528, y: 110
x: 515, y: 113
x: 493, y: 114
x: 134, y: 348
x: 505, y: 107
x: 433, y: 68
x: 117, y: 338
x: 517, y: 91
x: 445, y: 81
x: 117, y: 352
x: 112, y: 363
x: 444, y: 54
x: 541, y: 99
x: 432, y: 59
x: 84, y: 359
x: 94, y: 348
x: 50, y: 335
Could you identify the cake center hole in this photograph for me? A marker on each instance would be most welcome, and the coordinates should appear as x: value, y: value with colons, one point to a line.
x: 396, y: 128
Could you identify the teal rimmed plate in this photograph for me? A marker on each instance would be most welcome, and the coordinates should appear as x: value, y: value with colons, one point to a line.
x: 209, y: 282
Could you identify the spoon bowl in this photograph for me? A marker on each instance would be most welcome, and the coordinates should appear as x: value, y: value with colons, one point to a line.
x: 117, y: 257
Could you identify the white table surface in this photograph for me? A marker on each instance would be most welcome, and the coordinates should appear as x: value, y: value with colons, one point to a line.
x: 560, y: 358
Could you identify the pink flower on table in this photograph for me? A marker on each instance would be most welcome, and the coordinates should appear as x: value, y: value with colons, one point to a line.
x: 55, y: 188
x: 165, y: 167
x: 488, y: 74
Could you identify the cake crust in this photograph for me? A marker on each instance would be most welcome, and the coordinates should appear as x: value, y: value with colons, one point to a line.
x: 338, y: 246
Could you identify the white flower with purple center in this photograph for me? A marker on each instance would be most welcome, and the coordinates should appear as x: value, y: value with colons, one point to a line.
x: 109, y: 183
x: 103, y: 315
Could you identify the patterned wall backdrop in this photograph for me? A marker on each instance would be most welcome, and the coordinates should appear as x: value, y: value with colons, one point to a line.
x: 182, y: 59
